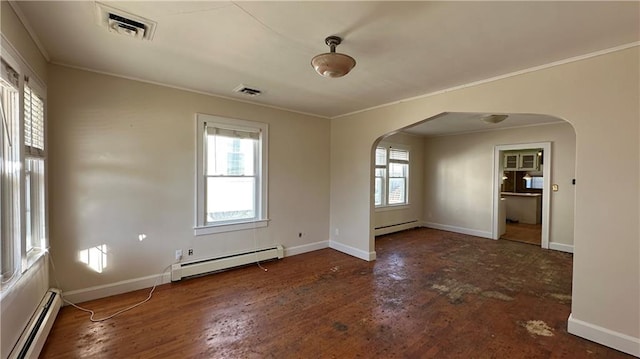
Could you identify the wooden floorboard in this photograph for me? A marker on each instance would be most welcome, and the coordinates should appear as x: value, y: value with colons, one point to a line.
x: 523, y: 232
x: 430, y: 294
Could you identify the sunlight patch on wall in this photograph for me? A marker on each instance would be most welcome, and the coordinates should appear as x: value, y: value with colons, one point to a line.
x: 95, y: 257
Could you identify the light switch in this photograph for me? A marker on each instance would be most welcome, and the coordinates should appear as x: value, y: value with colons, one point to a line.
x: 554, y: 187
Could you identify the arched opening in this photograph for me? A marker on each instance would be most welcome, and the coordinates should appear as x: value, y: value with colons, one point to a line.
x: 458, y: 179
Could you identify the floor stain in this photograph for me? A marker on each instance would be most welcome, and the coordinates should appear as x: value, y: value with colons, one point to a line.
x: 538, y: 327
x: 340, y: 327
x: 455, y: 290
x: 497, y: 295
x: 561, y: 297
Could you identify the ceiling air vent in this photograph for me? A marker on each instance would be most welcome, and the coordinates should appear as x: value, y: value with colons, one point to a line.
x: 246, y: 90
x: 124, y: 23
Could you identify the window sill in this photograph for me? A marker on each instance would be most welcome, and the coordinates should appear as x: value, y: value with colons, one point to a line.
x: 231, y: 227
x: 34, y: 255
x: 393, y: 207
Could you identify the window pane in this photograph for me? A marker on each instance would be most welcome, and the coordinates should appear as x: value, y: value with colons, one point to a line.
x: 10, y: 168
x: 33, y: 120
x: 381, y: 156
x: 398, y: 169
x: 228, y: 156
x: 378, y: 191
x: 34, y: 203
x: 396, y: 154
x: 534, y: 182
x: 230, y: 198
x: 397, y: 190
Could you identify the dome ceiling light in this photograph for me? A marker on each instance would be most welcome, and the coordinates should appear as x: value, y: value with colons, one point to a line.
x: 333, y: 64
x: 493, y: 119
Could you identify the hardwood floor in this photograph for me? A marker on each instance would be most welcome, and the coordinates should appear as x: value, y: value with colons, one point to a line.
x: 430, y: 294
x: 525, y: 233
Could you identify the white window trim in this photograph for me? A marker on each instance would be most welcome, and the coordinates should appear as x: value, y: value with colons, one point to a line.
x: 393, y: 207
x: 18, y: 63
x: 202, y: 228
x: 386, y: 206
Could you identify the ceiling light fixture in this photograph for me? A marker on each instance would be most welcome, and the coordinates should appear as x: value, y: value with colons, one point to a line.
x: 493, y: 119
x: 333, y: 64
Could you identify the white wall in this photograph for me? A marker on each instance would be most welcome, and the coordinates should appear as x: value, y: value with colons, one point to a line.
x: 599, y: 97
x: 20, y: 299
x: 413, y: 211
x: 122, y: 159
x: 459, y: 177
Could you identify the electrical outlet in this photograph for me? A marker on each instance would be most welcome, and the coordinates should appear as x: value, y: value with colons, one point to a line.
x: 190, y: 251
x: 178, y: 254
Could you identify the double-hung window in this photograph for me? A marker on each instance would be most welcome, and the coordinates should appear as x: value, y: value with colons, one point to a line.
x: 231, y: 179
x: 34, y: 169
x: 391, y: 183
x: 22, y: 166
x: 10, y: 239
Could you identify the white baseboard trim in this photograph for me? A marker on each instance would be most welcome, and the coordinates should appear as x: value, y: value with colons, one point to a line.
x: 292, y: 251
x: 446, y: 227
x: 106, y: 290
x: 604, y: 336
x: 561, y: 247
x: 396, y: 228
x: 367, y: 256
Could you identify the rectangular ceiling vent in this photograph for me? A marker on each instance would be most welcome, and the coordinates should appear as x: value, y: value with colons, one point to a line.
x: 124, y: 23
x: 246, y: 90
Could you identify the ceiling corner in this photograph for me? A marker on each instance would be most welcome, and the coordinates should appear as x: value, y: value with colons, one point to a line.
x: 23, y: 19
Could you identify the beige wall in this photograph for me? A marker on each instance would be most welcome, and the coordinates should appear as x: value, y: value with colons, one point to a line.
x: 412, y: 212
x: 14, y: 31
x: 459, y: 177
x: 599, y: 97
x: 122, y: 163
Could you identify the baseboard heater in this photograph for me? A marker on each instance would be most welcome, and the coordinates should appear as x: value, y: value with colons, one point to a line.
x: 378, y: 231
x: 188, y: 269
x: 35, y: 334
x: 397, y: 224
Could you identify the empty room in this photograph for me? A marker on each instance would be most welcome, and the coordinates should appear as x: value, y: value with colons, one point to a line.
x: 216, y: 179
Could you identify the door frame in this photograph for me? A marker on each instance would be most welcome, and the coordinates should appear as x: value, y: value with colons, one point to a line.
x: 546, y: 186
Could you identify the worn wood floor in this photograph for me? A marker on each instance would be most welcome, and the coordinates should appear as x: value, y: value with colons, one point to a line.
x: 430, y: 294
x: 523, y: 232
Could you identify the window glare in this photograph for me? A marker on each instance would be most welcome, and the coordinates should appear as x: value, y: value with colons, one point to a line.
x: 398, y: 169
x: 227, y: 156
x: 230, y: 198
x: 381, y: 156
x: 396, y: 190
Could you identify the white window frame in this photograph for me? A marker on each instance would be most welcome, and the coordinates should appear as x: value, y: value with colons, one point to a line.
x: 385, y: 185
x: 35, y: 182
x: 24, y: 258
x: 261, y: 219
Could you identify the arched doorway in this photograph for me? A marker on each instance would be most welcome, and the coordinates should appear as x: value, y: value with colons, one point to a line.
x: 459, y: 170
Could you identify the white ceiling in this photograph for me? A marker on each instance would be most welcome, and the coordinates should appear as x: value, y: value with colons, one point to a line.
x: 402, y: 49
x: 462, y: 122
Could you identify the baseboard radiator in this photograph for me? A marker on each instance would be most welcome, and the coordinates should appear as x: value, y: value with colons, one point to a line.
x: 188, y: 269
x: 378, y: 231
x: 35, y: 334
